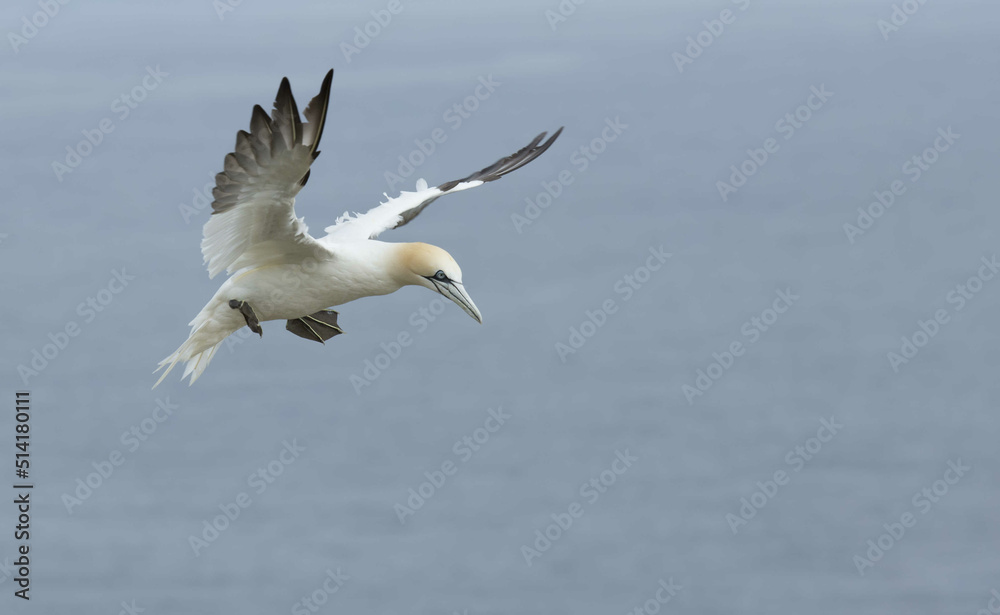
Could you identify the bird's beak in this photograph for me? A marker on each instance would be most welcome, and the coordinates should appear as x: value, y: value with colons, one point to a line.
x: 456, y: 292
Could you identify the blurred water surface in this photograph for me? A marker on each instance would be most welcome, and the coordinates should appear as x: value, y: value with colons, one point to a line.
x: 126, y: 208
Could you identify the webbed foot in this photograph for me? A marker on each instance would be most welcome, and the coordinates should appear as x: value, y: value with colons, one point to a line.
x: 248, y: 314
x: 318, y: 327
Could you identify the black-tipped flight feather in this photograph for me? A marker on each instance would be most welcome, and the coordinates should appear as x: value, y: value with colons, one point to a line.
x: 400, y: 210
x: 253, y: 215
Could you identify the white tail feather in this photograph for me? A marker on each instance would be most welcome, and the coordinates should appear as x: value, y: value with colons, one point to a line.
x: 207, y: 334
x: 197, y: 361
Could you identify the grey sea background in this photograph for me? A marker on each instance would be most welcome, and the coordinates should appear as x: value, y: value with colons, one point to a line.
x: 814, y: 399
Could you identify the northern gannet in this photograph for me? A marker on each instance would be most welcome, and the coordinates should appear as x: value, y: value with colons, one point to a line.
x: 280, y: 272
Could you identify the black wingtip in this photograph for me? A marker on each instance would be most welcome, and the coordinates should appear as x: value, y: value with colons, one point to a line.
x: 544, y: 146
x: 259, y: 111
x: 509, y: 164
x: 285, y: 97
x: 324, y: 91
x: 324, y: 88
x: 321, y: 103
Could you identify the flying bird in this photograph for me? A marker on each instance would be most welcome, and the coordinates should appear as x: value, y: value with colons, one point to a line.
x: 277, y: 270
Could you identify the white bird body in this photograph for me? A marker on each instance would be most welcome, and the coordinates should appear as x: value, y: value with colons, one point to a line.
x: 287, y: 291
x: 280, y: 272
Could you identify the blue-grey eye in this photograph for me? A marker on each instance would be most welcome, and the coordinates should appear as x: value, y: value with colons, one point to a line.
x: 440, y: 276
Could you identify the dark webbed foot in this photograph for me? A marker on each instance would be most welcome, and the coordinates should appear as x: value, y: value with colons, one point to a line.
x: 248, y: 314
x: 318, y: 327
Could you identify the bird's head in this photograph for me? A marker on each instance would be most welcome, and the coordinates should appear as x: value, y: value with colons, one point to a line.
x: 431, y: 267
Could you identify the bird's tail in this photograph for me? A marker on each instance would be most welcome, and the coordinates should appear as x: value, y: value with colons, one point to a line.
x: 196, y: 362
x: 207, y: 334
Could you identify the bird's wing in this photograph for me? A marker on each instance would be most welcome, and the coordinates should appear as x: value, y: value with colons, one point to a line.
x: 253, y: 215
x: 399, y: 210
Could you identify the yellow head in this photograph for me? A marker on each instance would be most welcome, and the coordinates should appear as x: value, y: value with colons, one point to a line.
x: 429, y: 266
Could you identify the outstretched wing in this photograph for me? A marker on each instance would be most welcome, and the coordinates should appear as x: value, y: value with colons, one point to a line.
x: 253, y: 215
x: 398, y: 211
